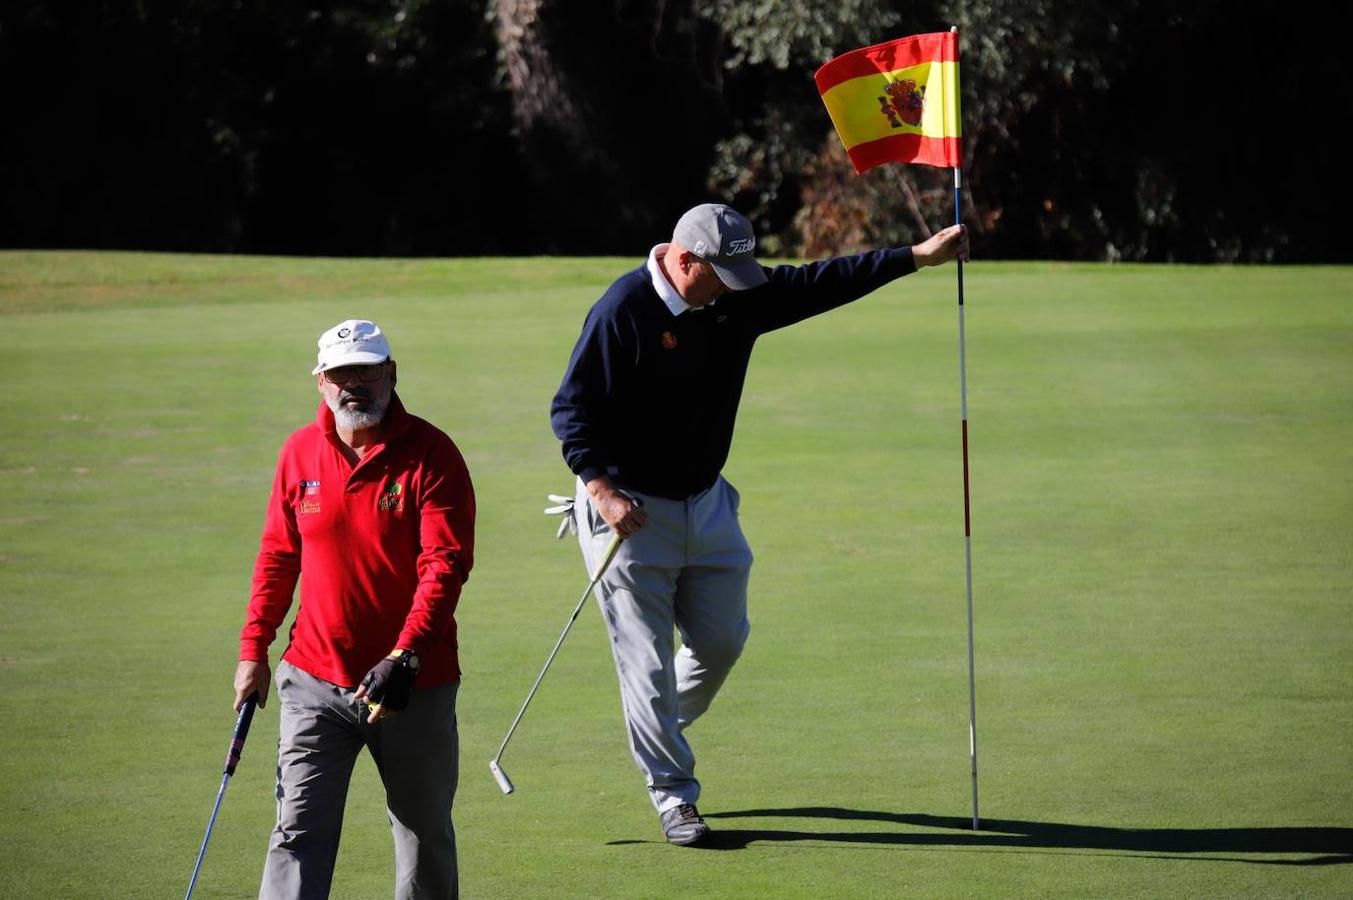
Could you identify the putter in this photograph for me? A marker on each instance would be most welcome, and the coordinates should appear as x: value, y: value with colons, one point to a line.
x: 495, y: 765
x: 232, y: 760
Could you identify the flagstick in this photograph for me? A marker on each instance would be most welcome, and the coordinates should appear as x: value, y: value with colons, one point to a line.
x: 967, y: 518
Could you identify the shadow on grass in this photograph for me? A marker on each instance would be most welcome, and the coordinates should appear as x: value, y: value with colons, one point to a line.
x: 1325, y: 846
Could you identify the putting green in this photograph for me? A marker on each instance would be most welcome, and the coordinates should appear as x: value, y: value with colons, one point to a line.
x: 1163, y: 561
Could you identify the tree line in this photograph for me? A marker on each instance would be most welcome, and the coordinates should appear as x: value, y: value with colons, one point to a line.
x: 1132, y: 130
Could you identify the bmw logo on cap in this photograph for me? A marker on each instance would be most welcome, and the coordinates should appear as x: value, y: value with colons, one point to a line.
x: 344, y: 332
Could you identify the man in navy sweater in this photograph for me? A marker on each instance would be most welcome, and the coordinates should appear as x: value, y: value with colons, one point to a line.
x: 646, y: 413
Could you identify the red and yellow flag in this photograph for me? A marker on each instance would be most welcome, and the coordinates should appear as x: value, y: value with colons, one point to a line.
x: 897, y: 102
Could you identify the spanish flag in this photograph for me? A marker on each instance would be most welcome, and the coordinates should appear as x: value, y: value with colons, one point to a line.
x: 897, y: 102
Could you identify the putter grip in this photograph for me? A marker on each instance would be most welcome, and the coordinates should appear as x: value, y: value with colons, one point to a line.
x: 241, y: 732
x: 606, y: 558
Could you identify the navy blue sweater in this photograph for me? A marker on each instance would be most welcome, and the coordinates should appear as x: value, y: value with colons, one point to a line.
x: 650, y: 398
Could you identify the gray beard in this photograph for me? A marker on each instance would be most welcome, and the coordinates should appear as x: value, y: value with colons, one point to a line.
x: 359, y: 419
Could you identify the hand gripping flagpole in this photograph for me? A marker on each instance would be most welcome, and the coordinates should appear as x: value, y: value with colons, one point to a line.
x: 967, y: 517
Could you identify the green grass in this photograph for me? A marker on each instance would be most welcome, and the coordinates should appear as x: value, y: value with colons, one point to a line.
x: 1162, y: 477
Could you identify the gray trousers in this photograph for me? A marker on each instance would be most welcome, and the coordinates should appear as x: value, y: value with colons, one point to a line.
x: 323, y: 730
x: 686, y: 570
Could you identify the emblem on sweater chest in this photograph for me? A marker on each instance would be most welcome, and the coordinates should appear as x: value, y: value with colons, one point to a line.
x: 669, y: 341
x: 393, y: 497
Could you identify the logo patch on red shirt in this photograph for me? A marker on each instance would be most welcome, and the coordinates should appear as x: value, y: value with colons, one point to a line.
x: 309, y: 489
x: 393, y: 498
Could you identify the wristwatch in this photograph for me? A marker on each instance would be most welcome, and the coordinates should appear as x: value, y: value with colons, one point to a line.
x: 406, y: 658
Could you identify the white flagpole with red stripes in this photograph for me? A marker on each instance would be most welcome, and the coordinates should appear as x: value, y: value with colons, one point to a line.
x: 967, y: 516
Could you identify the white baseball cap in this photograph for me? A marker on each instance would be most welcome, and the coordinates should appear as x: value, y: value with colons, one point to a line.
x: 355, y: 342
x: 722, y: 237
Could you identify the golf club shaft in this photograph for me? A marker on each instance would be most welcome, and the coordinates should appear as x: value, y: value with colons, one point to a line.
x: 201, y: 853
x: 232, y: 759
x: 601, y: 570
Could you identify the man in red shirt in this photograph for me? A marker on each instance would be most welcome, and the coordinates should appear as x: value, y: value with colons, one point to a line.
x: 372, y: 508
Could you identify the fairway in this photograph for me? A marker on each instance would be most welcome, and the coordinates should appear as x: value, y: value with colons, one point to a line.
x: 1162, y: 484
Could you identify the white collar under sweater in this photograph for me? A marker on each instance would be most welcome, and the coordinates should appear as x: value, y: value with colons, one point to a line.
x: 664, y: 287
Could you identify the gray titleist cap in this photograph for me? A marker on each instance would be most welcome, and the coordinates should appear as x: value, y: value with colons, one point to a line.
x: 722, y: 237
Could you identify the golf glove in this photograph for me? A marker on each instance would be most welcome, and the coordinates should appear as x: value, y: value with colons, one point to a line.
x: 563, y: 507
x: 389, y: 684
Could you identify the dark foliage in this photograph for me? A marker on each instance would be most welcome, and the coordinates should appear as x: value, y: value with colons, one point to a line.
x: 256, y: 127
x: 1137, y: 130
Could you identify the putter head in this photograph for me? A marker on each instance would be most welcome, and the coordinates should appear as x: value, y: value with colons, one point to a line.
x: 504, y: 783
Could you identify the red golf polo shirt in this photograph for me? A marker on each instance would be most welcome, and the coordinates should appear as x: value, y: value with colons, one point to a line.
x: 381, y: 549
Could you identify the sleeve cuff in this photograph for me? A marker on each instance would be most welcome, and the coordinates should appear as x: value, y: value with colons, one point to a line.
x: 409, y: 642
x: 253, y: 652
x: 590, y: 472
